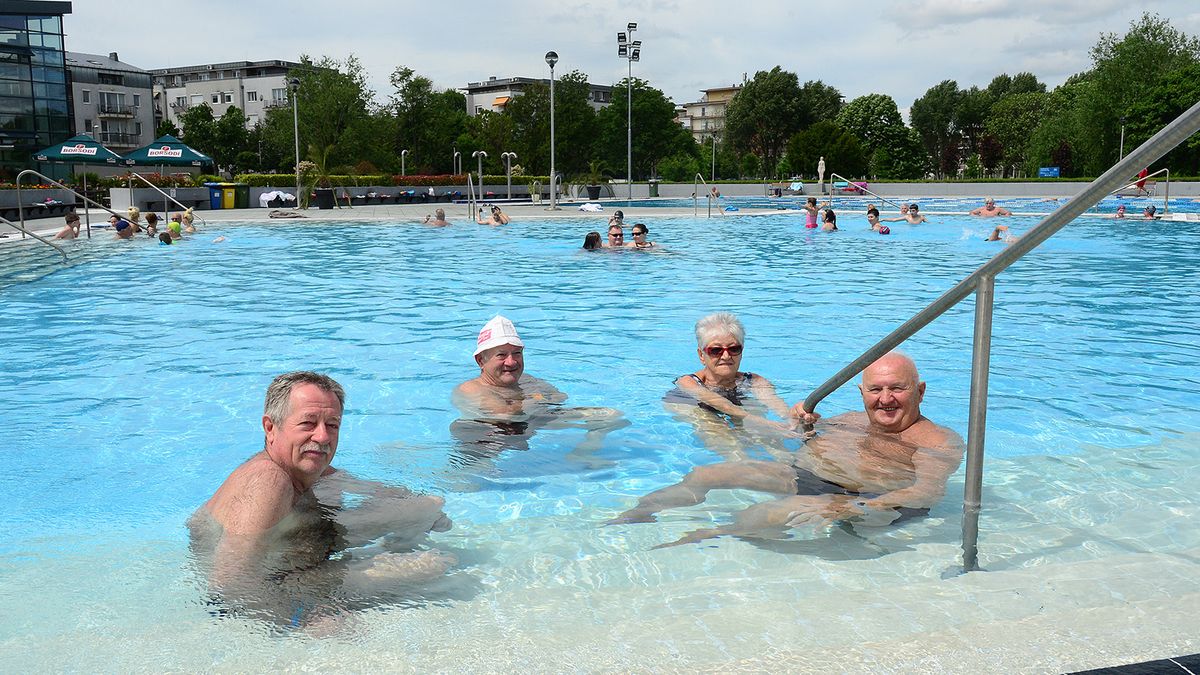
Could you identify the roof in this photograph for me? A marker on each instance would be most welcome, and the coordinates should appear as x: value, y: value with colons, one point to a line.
x: 232, y: 65
x: 98, y: 62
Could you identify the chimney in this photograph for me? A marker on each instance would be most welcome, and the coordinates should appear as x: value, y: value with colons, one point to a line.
x: 113, y: 56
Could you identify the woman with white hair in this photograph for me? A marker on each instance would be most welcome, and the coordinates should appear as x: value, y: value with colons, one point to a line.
x: 726, y: 397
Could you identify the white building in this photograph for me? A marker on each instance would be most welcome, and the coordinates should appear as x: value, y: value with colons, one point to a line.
x: 495, y: 93
x: 706, y: 117
x: 253, y: 86
x: 111, y: 100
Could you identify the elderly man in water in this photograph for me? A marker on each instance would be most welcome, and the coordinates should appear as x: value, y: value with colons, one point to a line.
x: 285, y: 504
x: 504, y: 406
x: 877, y: 466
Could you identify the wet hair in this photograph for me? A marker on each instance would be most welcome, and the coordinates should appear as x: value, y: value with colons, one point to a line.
x: 830, y: 216
x: 618, y: 214
x: 616, y: 225
x: 151, y: 218
x: 165, y: 238
x: 133, y: 213
x: 591, y: 241
x: 279, y: 394
x: 645, y: 229
x: 72, y: 217
x: 874, y: 211
x: 913, y: 207
x: 718, y: 324
x: 440, y: 213
x: 812, y: 201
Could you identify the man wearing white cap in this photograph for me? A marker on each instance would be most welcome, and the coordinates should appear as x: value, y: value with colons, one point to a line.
x: 502, y: 386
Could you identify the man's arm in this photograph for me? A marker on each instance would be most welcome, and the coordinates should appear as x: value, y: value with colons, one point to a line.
x: 932, y: 468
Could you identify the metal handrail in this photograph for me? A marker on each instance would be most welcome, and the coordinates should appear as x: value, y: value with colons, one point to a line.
x: 21, y: 206
x: 535, y: 189
x: 471, y: 212
x: 981, y: 282
x: 866, y: 190
x: 134, y: 174
x: 24, y: 231
x: 695, y: 196
x: 1166, y: 189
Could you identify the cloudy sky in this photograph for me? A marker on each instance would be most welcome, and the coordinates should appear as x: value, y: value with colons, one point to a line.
x: 860, y: 47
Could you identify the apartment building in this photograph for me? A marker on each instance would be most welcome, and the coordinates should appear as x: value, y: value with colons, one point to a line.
x: 495, y: 93
x: 253, y: 86
x: 110, y: 100
x: 706, y: 117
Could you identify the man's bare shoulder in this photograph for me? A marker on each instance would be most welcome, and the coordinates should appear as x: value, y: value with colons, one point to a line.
x: 254, y: 497
x: 928, y: 434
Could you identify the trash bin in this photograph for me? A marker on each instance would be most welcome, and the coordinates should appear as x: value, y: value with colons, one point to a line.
x: 227, y: 200
x: 214, y: 195
x: 241, y: 196
x: 653, y: 188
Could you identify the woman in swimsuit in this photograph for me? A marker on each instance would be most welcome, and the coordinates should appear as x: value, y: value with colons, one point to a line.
x: 830, y: 221
x: 639, y: 237
x: 812, y: 211
x: 719, y: 399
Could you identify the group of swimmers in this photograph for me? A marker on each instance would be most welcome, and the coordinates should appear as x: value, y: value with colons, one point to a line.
x: 127, y: 227
x: 616, y: 236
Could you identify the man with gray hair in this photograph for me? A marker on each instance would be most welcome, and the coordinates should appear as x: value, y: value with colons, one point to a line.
x: 874, y: 467
x: 285, y: 503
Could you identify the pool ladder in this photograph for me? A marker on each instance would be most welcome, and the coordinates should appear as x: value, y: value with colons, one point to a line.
x: 981, y: 282
x: 696, y: 196
x: 21, y: 210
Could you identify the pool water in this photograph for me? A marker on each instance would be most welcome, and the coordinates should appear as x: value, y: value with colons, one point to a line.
x: 132, y: 384
x: 1021, y: 206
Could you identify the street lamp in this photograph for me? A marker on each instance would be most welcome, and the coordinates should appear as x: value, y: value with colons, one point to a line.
x: 1121, y: 152
x: 508, y: 157
x: 294, y: 84
x: 630, y: 50
x: 456, y: 161
x: 402, y: 154
x: 480, y: 154
x: 713, y: 176
x: 551, y: 59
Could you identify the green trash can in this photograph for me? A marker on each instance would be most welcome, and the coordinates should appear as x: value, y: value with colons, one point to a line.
x: 653, y: 188
x: 241, y: 196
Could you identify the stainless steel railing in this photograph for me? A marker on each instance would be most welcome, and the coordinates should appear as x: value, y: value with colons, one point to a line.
x: 981, y: 283
x: 696, y: 196
x: 858, y: 187
x: 1142, y: 179
x: 40, y: 238
x: 166, y: 196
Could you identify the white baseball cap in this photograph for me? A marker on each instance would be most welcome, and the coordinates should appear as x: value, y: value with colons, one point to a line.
x: 498, y: 331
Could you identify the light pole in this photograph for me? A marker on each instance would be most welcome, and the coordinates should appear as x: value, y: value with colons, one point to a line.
x: 402, y: 154
x: 551, y: 59
x: 508, y: 157
x: 479, y: 155
x: 456, y: 162
x: 1121, y: 152
x: 294, y: 84
x: 713, y: 177
x: 630, y: 50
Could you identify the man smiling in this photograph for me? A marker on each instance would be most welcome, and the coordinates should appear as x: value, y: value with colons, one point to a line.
x: 876, y: 466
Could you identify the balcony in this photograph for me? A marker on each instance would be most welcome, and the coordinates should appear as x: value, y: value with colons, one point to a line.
x: 180, y: 105
x: 276, y: 103
x: 114, y: 110
x: 119, y: 139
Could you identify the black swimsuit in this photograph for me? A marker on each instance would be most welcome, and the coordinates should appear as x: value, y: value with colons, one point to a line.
x: 735, y: 394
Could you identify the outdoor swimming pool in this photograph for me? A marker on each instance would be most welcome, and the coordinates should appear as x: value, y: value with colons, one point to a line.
x: 858, y: 204
x: 132, y: 384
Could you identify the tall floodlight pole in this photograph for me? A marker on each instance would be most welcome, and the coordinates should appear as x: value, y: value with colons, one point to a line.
x: 630, y: 50
x: 294, y: 83
x: 508, y: 157
x: 551, y: 59
x: 402, y: 154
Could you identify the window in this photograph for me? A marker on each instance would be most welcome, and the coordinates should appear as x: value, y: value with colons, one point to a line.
x: 227, y: 97
x: 279, y: 94
x: 87, y: 126
x: 137, y: 128
x: 87, y: 96
x: 478, y: 109
x: 252, y: 96
x: 180, y: 101
x: 112, y: 78
x: 137, y: 100
x: 216, y: 98
x: 252, y: 120
x: 197, y: 99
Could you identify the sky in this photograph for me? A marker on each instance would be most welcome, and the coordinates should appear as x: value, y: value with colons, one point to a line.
x: 859, y: 46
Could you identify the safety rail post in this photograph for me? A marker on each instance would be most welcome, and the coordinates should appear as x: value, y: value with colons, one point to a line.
x: 977, y: 420
x: 20, y: 206
x: 866, y: 190
x: 1166, y: 190
x: 1158, y: 145
x: 471, y: 199
x: 40, y: 238
x: 696, y: 196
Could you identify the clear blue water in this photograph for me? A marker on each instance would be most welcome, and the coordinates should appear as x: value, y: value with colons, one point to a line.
x: 854, y: 204
x: 132, y: 380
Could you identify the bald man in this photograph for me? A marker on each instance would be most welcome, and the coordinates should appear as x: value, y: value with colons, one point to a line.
x: 877, y: 466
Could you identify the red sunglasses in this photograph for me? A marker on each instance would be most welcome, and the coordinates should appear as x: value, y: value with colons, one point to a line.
x: 715, y: 351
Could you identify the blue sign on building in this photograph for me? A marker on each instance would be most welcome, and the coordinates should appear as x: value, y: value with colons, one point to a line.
x: 1048, y: 172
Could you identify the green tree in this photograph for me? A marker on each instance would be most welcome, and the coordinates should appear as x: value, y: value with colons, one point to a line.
x: 1022, y: 83
x: 820, y: 102
x: 764, y: 114
x: 530, y: 116
x: 1012, y: 122
x: 333, y: 107
x: 843, y: 152
x: 970, y: 114
x: 895, y: 150
x: 200, y: 128
x: 1158, y: 106
x: 934, y: 118
x: 230, y: 139
x: 167, y: 127
x: 656, y: 134
x: 574, y: 123
x: 427, y: 122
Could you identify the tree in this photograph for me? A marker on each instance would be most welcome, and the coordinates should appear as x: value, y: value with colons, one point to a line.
x: 934, y: 118
x: 1022, y: 83
x: 199, y: 128
x: 969, y: 115
x: 333, y: 105
x: 530, y: 115
x: 1059, y: 128
x: 656, y: 134
x: 167, y: 127
x: 820, y: 102
x: 230, y: 138
x: 1012, y: 122
x: 427, y: 122
x: 895, y: 150
x: 842, y: 151
x: 764, y: 114
x: 1158, y: 106
x: 574, y: 123
x: 991, y: 152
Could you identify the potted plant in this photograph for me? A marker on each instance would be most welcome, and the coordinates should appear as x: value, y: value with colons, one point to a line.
x: 314, y: 175
x: 595, y: 178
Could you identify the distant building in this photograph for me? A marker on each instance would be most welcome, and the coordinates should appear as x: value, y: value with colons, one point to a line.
x: 706, y: 117
x: 111, y: 101
x: 253, y: 86
x: 35, y: 107
x: 494, y: 94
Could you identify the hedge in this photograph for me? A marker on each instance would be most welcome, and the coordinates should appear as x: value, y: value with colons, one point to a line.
x: 287, y: 179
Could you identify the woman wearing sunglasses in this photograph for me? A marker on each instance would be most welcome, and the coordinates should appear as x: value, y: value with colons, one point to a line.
x: 726, y: 398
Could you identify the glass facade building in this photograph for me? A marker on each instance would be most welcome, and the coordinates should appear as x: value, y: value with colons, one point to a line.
x: 35, y: 109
